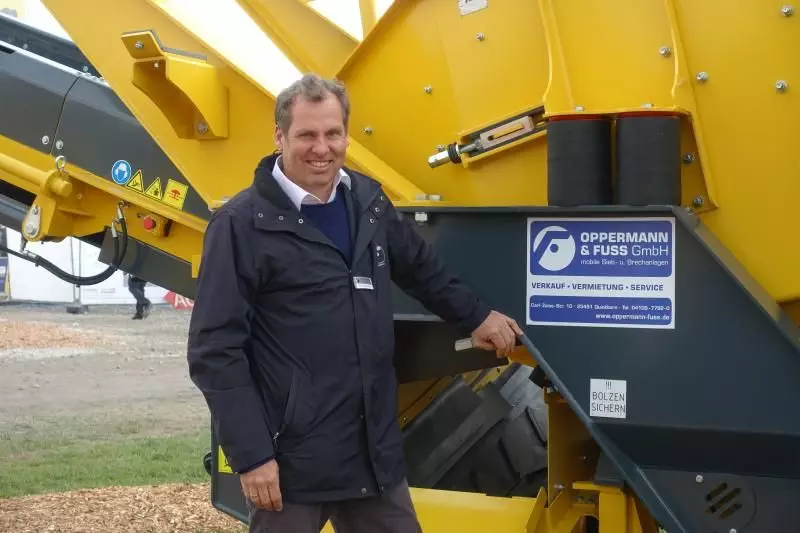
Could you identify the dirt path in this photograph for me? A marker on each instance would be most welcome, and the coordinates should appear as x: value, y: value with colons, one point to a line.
x: 101, y: 364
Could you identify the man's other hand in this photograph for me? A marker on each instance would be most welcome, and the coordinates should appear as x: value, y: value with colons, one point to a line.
x: 498, y: 332
x: 262, y: 487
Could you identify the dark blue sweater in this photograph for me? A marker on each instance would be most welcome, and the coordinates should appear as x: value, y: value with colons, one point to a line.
x: 333, y: 221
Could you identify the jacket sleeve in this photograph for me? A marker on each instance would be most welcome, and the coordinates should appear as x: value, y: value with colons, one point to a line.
x: 419, y: 271
x: 217, y: 347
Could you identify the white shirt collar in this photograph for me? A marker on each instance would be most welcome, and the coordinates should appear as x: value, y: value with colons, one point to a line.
x: 300, y: 196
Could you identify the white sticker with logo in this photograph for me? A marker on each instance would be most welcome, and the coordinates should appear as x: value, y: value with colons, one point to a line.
x: 601, y: 272
x: 608, y: 398
x: 471, y: 6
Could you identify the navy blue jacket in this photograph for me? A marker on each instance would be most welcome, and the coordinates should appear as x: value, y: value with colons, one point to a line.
x: 295, y: 361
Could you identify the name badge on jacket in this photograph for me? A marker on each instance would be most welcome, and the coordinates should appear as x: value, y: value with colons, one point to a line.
x: 362, y: 282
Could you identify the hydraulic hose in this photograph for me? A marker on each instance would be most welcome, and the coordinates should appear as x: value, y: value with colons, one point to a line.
x: 119, y: 254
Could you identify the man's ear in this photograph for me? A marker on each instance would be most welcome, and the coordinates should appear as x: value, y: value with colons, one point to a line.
x: 278, y: 138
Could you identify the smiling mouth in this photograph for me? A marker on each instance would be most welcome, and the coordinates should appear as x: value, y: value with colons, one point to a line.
x: 320, y: 164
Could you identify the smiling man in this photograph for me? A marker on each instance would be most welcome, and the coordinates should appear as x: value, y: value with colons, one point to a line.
x: 291, y: 337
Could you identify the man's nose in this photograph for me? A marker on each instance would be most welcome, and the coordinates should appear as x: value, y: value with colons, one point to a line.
x: 321, y: 147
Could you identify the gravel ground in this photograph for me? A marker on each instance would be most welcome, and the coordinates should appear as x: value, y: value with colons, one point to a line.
x: 99, y: 370
x: 99, y: 363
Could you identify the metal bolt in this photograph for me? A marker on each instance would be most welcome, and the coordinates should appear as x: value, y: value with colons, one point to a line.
x: 665, y: 51
x: 368, y: 130
x: 689, y: 158
x: 559, y: 486
x: 480, y: 36
x: 45, y: 140
x: 732, y: 530
x: 647, y: 106
x: 428, y: 89
x: 702, y: 77
x: 202, y: 128
x: 698, y: 478
x: 787, y: 11
x: 781, y: 86
x: 85, y: 68
x: 421, y: 218
x: 156, y: 64
x: 59, y: 144
x: 435, y: 197
x: 139, y: 45
x: 698, y: 201
x: 79, y: 196
x: 579, y: 108
x: 440, y: 147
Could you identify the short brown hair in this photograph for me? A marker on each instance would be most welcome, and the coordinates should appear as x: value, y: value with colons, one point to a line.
x: 313, y: 88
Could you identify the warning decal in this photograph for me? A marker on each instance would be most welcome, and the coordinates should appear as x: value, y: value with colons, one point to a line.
x: 154, y: 190
x: 175, y: 194
x: 222, y: 462
x: 136, y: 182
x: 604, y: 272
x: 608, y: 398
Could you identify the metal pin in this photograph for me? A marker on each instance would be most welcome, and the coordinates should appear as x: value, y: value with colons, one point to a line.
x: 368, y: 130
x: 698, y: 478
x: 45, y: 140
x: 781, y: 86
x: 481, y: 36
x: 139, y: 45
x: 156, y: 65
x: 202, y: 128
x: 665, y: 51
x: 787, y: 11
x: 579, y: 108
x: 428, y: 89
x: 698, y: 201
x: 702, y: 77
x: 59, y: 144
x: 689, y: 158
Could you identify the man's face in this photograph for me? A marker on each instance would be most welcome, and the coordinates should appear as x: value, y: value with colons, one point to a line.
x: 314, y: 147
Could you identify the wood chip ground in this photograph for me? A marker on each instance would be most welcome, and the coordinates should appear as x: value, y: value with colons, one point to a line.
x: 175, y: 508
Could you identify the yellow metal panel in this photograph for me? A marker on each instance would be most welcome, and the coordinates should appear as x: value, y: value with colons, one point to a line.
x: 750, y: 130
x: 572, y: 453
x: 607, y: 55
x: 187, y: 89
x: 311, y: 41
x: 215, y: 169
x: 447, y: 511
x: 426, y: 75
x: 368, y: 15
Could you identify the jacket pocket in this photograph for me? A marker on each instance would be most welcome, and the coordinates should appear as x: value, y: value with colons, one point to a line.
x: 289, y: 410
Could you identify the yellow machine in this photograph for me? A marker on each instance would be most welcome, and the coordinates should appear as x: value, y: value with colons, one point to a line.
x: 585, y: 166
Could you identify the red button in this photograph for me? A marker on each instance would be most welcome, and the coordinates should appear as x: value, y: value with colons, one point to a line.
x: 149, y: 223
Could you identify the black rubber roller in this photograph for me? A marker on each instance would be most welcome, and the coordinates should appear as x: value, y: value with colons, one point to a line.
x: 648, y: 160
x: 579, y: 162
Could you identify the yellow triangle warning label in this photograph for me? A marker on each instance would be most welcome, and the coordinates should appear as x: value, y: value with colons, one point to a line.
x: 136, y: 182
x: 154, y: 190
